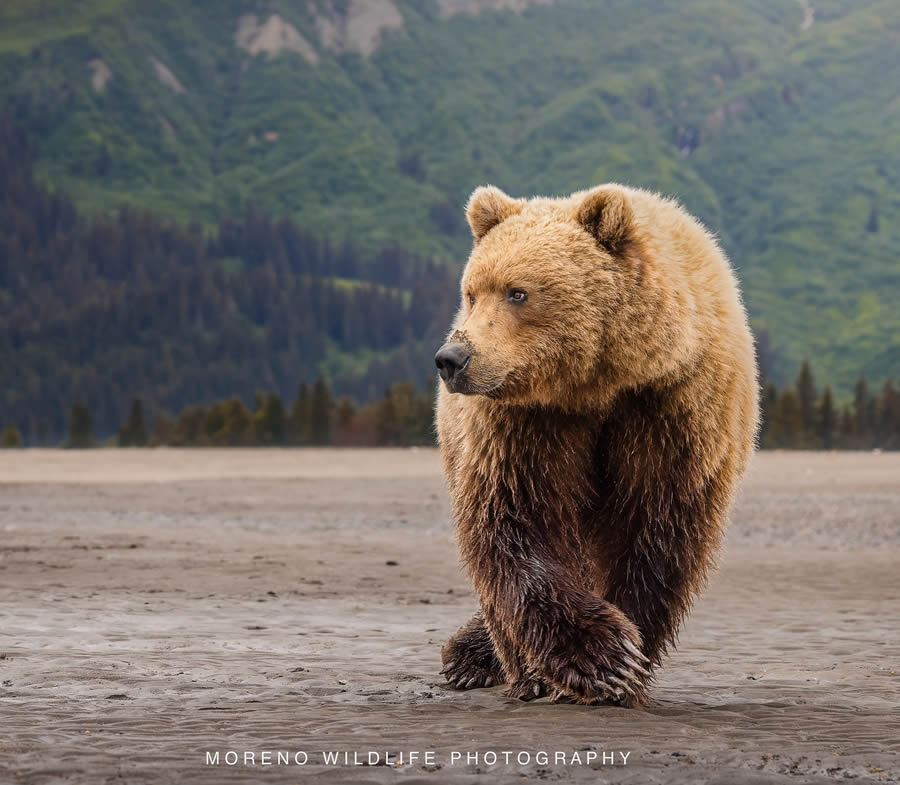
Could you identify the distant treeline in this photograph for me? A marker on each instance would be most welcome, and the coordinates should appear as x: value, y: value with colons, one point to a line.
x: 106, y: 309
x: 794, y: 417
x: 798, y: 416
x: 402, y: 416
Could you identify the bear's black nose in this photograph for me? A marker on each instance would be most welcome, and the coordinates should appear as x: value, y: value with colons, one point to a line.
x: 452, y: 359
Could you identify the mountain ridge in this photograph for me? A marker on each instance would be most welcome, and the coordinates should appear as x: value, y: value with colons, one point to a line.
x: 771, y: 122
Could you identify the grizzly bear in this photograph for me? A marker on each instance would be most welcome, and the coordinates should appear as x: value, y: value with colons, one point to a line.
x: 598, y: 408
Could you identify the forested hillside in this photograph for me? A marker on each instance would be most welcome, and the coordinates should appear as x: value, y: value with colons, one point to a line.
x: 106, y: 310
x: 367, y: 122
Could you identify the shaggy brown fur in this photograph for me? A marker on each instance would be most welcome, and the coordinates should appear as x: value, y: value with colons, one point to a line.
x: 598, y: 431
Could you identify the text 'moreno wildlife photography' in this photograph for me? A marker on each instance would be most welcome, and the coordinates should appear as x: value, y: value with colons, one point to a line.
x: 587, y: 756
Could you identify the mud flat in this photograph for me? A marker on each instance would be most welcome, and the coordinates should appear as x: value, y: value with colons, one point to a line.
x: 159, y: 605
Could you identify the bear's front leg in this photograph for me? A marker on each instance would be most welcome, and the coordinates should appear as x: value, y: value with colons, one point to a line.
x: 579, y: 644
x: 469, y: 658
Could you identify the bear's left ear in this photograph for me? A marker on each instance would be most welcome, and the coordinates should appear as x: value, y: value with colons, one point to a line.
x: 606, y: 214
x: 489, y: 206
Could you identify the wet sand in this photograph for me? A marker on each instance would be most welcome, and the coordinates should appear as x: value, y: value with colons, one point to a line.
x: 159, y: 604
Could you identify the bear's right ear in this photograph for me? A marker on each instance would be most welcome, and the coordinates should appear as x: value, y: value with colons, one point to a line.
x: 489, y: 206
x: 606, y: 214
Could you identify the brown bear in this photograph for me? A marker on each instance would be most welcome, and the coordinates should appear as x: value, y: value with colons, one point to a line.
x: 598, y: 408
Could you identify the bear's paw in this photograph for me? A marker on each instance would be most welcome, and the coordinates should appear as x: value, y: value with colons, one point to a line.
x: 469, y: 658
x: 599, y: 661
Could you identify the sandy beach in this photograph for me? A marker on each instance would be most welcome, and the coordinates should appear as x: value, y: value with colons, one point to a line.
x: 160, y: 607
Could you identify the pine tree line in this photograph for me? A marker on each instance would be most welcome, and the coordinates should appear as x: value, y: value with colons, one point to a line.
x: 798, y: 416
x: 402, y: 416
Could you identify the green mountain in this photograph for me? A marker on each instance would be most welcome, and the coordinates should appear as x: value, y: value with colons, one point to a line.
x: 778, y: 123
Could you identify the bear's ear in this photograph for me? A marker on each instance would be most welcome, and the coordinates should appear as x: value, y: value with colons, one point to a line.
x: 606, y: 214
x: 489, y: 206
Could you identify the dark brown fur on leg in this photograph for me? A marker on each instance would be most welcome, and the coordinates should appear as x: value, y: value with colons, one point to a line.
x: 658, y: 526
x: 522, y: 682
x: 526, y: 551
x: 653, y: 581
x: 571, y: 640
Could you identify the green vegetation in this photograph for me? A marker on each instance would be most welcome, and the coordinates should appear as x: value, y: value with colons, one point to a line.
x: 782, y: 137
x: 104, y: 310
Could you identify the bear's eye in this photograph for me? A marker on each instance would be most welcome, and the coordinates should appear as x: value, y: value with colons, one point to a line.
x: 517, y: 296
x: 471, y: 299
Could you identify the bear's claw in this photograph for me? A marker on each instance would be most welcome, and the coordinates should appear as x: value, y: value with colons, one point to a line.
x: 468, y: 679
x: 636, y: 651
x: 635, y: 667
x: 469, y: 658
x: 560, y: 697
x: 527, y: 689
x: 470, y: 671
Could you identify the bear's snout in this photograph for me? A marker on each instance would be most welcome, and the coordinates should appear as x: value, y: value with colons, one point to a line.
x: 451, y: 360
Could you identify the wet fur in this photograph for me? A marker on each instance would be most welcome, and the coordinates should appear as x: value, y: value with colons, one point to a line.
x: 591, y: 486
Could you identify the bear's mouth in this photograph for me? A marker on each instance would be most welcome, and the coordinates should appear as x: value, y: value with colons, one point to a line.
x: 464, y: 385
x: 460, y: 384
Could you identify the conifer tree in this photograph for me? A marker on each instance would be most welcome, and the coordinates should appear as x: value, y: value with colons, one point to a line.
x: 238, y: 424
x: 861, y: 411
x: 133, y: 432
x: 301, y: 415
x: 806, y: 396
x: 320, y: 412
x: 768, y: 407
x: 81, y: 426
x: 11, y: 437
x: 345, y: 414
x: 788, y: 425
x: 847, y: 429
x: 270, y: 422
x: 827, y: 419
x: 889, y: 416
x: 386, y: 426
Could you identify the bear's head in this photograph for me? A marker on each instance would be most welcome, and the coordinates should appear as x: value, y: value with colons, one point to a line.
x: 540, y: 292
